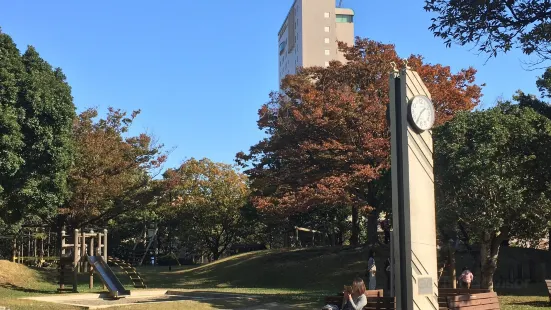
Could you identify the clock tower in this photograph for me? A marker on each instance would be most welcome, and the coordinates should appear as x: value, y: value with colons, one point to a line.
x: 413, y: 205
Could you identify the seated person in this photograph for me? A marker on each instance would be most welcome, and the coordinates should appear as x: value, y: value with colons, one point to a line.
x: 354, y: 297
x: 466, y: 278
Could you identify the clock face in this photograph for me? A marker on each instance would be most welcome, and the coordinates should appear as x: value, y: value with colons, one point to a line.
x: 421, y: 113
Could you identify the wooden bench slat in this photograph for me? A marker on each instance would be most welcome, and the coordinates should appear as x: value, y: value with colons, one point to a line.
x: 337, y: 299
x: 444, y: 293
x: 481, y: 307
x: 380, y: 303
x: 460, y: 291
x: 474, y: 302
x: 472, y: 296
x: 373, y: 302
x: 482, y: 301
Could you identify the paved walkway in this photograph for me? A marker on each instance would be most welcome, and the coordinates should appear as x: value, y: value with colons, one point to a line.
x: 272, y: 305
x: 97, y: 301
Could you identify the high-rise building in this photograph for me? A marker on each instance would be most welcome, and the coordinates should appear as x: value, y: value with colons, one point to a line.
x: 310, y: 32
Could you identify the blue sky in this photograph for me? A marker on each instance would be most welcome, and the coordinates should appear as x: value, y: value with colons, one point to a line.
x: 199, y: 70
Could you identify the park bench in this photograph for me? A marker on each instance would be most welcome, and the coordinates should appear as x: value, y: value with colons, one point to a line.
x: 380, y: 303
x: 337, y: 299
x: 444, y: 293
x: 548, y: 283
x: 482, y: 301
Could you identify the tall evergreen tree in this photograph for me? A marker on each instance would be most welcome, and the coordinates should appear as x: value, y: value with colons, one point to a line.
x: 11, y: 139
x: 39, y: 116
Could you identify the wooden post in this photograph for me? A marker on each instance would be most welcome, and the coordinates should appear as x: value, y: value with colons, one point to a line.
x: 100, y: 249
x: 14, y: 249
x: 105, y: 245
x: 82, y: 251
x: 29, y: 244
x: 90, y: 266
x: 76, y: 258
x: 62, y: 269
x: 49, y: 244
x: 35, y: 248
x: 105, y: 250
x: 451, y: 257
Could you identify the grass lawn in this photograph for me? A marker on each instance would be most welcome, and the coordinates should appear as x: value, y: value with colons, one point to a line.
x: 291, y: 277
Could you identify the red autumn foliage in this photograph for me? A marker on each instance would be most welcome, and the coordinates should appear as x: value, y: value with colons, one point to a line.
x: 328, y: 137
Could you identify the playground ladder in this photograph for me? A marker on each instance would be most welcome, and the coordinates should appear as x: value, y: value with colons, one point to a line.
x: 132, y: 273
x: 66, y: 275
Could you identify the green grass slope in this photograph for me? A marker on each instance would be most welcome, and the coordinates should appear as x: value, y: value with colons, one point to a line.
x: 316, y: 269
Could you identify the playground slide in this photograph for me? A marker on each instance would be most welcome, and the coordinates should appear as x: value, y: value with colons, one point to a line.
x: 107, y: 276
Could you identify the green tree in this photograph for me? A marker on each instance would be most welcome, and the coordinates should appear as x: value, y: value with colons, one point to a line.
x: 36, y: 124
x: 11, y: 138
x: 493, y: 175
x: 494, y: 25
x: 538, y: 104
x: 544, y: 85
x: 208, y: 199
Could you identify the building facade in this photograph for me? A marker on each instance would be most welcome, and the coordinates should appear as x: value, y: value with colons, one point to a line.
x: 309, y: 35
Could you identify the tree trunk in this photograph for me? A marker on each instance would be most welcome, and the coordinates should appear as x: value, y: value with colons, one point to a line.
x: 355, y: 237
x: 215, y: 256
x: 372, y: 224
x: 489, y: 250
x: 452, y: 270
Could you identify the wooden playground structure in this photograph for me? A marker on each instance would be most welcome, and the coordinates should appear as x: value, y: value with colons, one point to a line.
x: 86, y: 252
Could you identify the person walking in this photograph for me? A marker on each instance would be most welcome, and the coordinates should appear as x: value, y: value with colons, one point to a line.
x: 385, y: 225
x: 387, y: 272
x: 371, y: 270
x: 466, y: 278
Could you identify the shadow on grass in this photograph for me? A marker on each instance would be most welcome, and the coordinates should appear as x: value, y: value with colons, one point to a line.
x: 535, y: 304
x: 223, y: 300
x: 10, y: 286
x: 525, y: 289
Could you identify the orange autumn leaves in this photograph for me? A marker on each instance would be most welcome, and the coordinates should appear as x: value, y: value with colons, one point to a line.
x: 109, y: 166
x: 327, y: 137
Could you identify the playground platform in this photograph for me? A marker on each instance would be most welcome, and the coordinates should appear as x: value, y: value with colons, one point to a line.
x: 104, y: 300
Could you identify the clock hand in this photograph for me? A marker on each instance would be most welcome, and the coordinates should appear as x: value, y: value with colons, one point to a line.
x: 419, y: 116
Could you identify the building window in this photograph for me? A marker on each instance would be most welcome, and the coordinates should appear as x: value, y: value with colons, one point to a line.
x: 341, y: 18
x: 326, y: 14
x: 327, y: 63
x: 326, y: 40
x: 327, y: 52
x: 326, y: 28
x: 282, y: 46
